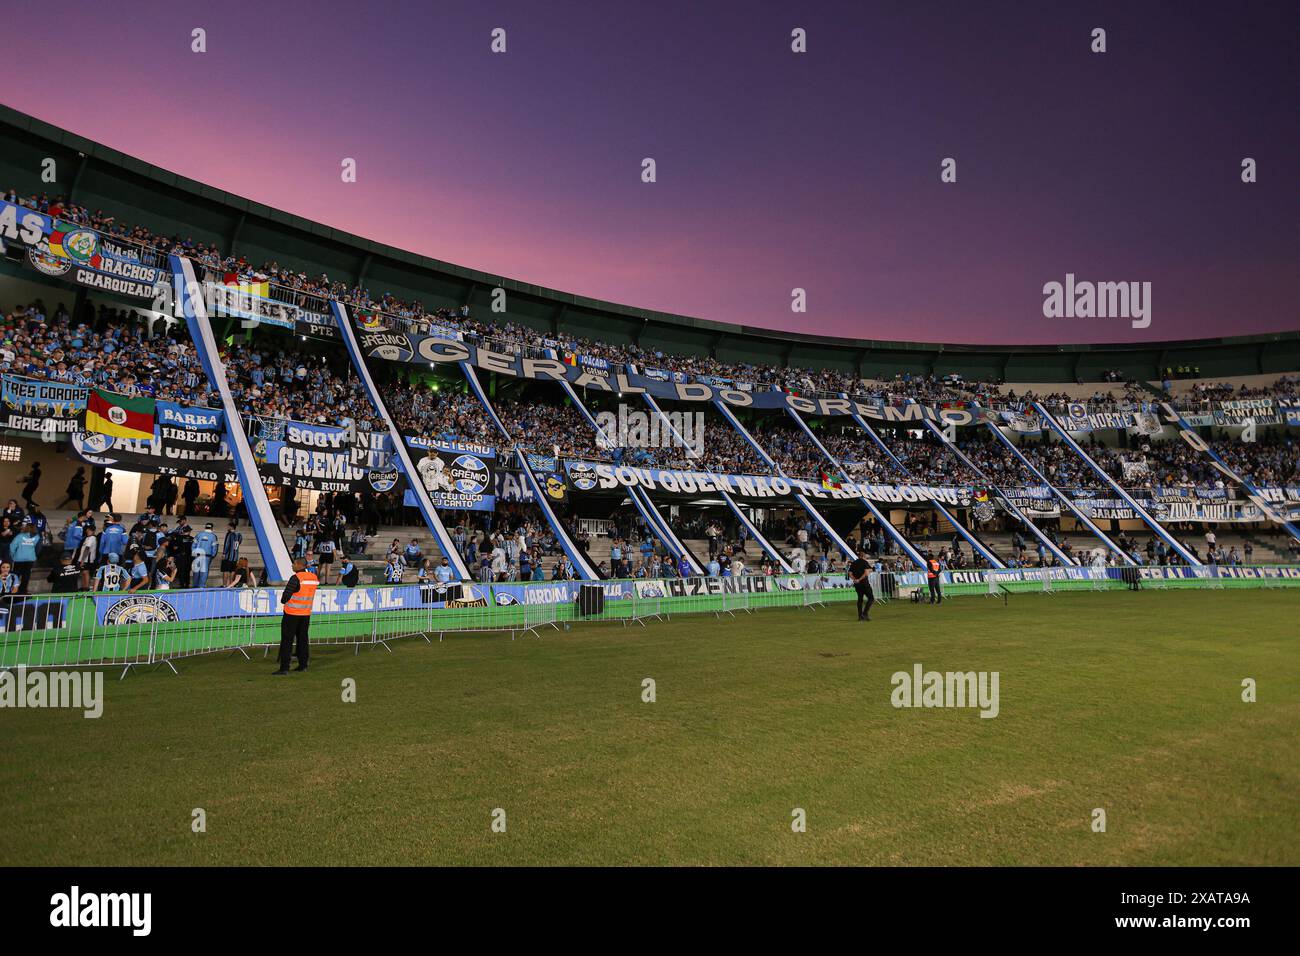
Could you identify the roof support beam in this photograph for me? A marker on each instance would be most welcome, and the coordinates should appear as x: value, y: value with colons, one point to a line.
x: 235, y: 231
x: 76, y: 177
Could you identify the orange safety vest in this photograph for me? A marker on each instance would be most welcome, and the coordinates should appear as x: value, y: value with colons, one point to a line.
x: 299, y: 604
x: 934, y: 568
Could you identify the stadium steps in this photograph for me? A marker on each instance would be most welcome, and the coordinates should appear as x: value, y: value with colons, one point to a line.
x: 598, y: 550
x: 754, y: 555
x: 941, y: 537
x: 1273, y: 549
x: 1155, y: 390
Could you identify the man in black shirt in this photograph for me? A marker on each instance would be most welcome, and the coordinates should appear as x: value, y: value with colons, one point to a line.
x: 180, y: 545
x: 859, y: 572
x: 66, y: 576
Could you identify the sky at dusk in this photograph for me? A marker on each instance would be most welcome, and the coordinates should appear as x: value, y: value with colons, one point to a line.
x: 775, y: 170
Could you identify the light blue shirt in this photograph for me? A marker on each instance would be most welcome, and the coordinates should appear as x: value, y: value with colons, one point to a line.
x: 24, y: 546
x: 206, y: 541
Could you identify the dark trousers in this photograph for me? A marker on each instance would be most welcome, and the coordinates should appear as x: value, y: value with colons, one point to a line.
x: 936, y: 593
x: 293, y: 628
x: 24, y: 571
x: 865, y: 594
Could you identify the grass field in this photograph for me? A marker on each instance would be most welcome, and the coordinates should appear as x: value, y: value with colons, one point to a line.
x: 1128, y: 702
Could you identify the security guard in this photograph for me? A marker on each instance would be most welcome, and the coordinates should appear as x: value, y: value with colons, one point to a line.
x: 297, y: 598
x: 932, y: 571
x: 859, y: 572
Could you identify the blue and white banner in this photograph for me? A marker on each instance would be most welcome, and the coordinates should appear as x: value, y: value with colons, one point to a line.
x: 554, y: 592
x: 328, y: 458
x: 1261, y: 411
x: 100, y: 271
x: 602, y: 476
x: 187, y: 442
x: 1169, y: 572
x: 457, y: 475
x: 397, y: 346
x: 189, y: 418
x: 114, y: 610
x: 42, y: 407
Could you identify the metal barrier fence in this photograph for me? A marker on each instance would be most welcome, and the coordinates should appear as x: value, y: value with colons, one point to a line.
x: 158, y: 627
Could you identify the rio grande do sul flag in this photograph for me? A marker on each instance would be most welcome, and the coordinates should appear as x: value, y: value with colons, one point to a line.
x: 122, y: 416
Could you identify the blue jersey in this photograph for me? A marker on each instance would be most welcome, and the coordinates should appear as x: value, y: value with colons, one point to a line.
x: 230, y: 547
x: 111, y: 577
x: 113, y: 540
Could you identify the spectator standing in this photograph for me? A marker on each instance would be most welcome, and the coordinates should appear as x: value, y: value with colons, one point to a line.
x: 31, y: 481
x: 76, y: 490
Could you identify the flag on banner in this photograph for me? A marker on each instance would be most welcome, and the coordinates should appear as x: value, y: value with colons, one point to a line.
x: 122, y: 416
x: 570, y: 358
x: 369, y: 321
x: 247, y: 288
x: 59, y: 232
x: 828, y: 484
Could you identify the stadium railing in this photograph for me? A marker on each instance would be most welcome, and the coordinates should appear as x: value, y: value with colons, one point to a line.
x: 159, y: 627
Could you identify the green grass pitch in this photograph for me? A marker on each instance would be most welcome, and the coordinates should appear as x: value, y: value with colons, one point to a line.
x: 1127, y: 702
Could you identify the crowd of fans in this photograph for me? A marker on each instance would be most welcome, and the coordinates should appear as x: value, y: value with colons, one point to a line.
x: 95, y: 551
x: 112, y: 350
x: 287, y: 384
x: 423, y: 412
x: 127, y: 352
x: 1272, y: 460
x: 1059, y: 465
x: 1285, y: 390
x: 115, y: 349
x: 411, y: 314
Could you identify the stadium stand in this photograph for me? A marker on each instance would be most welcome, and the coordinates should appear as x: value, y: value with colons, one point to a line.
x: 1219, y: 459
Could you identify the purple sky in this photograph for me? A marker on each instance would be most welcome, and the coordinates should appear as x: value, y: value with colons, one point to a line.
x: 775, y: 170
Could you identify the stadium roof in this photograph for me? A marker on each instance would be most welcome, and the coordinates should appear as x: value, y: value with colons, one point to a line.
x: 139, y: 192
